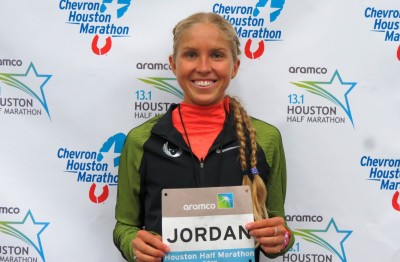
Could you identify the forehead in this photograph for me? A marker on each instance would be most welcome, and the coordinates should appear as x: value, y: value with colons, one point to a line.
x: 203, y: 33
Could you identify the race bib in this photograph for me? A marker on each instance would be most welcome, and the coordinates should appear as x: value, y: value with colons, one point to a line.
x: 208, y: 224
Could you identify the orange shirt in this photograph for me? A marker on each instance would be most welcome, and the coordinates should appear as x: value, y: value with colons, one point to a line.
x: 202, y: 124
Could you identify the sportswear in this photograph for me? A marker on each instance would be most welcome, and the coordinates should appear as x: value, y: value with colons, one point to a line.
x: 155, y: 156
x: 196, y: 119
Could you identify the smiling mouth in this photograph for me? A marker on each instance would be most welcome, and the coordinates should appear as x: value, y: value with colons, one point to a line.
x: 204, y: 83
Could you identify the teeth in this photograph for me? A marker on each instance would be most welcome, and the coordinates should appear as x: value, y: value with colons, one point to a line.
x: 203, y: 83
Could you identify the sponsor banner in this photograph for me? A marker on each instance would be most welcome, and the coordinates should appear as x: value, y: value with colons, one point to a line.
x: 77, y: 75
x: 322, y: 101
x: 150, y: 96
x: 384, y: 20
x: 23, y: 89
x: 384, y: 172
x: 253, y: 21
x: 98, y: 19
x: 94, y: 167
x: 21, y: 234
x: 318, y: 239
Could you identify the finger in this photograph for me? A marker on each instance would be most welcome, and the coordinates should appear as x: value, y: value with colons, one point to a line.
x: 271, y: 241
x: 141, y: 257
x: 153, y: 240
x: 267, y: 222
x: 149, y: 244
x: 269, y: 231
x: 271, y: 245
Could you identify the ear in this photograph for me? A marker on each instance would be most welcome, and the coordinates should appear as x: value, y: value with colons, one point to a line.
x: 172, y: 64
x: 235, y: 68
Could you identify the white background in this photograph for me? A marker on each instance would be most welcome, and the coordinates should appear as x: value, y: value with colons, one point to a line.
x: 91, y: 98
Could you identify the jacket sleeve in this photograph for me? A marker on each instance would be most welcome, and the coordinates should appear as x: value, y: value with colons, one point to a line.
x: 270, y: 141
x: 123, y: 236
x: 127, y: 211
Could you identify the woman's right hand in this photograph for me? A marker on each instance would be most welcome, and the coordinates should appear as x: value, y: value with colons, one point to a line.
x: 148, y: 247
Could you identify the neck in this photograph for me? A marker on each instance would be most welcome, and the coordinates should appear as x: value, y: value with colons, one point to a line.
x: 200, y: 125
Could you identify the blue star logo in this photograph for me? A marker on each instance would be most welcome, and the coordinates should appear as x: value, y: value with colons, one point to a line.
x: 28, y: 230
x: 273, y: 9
x: 113, y: 147
x: 36, y: 84
x: 331, y: 232
x: 343, y: 88
x: 118, y: 7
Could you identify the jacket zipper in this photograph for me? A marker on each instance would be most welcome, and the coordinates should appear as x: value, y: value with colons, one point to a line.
x: 201, y: 172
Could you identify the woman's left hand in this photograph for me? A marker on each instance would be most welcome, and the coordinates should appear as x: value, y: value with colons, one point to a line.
x: 270, y: 233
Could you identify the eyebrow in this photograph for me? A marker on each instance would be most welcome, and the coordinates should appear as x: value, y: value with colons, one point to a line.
x: 213, y: 49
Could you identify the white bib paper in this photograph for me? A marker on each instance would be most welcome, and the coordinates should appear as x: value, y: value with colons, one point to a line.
x: 207, y: 224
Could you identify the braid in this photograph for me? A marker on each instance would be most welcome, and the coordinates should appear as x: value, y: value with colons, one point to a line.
x: 241, y: 137
x: 258, y: 188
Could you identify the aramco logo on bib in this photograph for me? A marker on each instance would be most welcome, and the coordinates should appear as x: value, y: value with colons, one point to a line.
x: 225, y: 200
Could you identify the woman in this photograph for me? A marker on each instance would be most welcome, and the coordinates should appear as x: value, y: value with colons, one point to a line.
x: 207, y: 140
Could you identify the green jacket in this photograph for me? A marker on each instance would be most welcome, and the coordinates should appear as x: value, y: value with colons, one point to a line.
x: 155, y: 156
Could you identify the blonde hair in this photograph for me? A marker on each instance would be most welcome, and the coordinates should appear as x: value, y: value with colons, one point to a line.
x: 247, y: 136
x: 218, y: 21
x: 245, y: 132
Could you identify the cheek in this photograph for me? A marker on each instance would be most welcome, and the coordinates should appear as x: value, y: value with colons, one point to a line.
x: 227, y: 71
x: 181, y: 69
x: 181, y: 77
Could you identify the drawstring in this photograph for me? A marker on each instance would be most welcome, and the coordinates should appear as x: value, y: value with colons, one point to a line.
x: 191, y: 151
x: 190, y: 147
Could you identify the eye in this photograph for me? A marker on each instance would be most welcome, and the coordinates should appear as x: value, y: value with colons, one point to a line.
x: 190, y: 54
x: 217, y: 55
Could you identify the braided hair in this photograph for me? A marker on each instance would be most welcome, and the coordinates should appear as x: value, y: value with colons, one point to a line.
x: 247, y: 140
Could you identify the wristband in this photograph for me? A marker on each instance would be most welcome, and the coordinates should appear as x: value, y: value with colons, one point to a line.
x: 286, y: 241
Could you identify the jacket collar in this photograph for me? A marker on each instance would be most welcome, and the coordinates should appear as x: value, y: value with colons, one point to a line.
x: 165, y: 129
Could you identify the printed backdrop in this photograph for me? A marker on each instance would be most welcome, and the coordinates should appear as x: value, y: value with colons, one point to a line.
x: 76, y: 76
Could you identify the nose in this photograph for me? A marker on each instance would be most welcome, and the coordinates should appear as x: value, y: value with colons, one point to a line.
x: 204, y: 64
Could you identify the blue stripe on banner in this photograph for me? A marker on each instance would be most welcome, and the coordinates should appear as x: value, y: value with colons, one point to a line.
x: 221, y: 255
